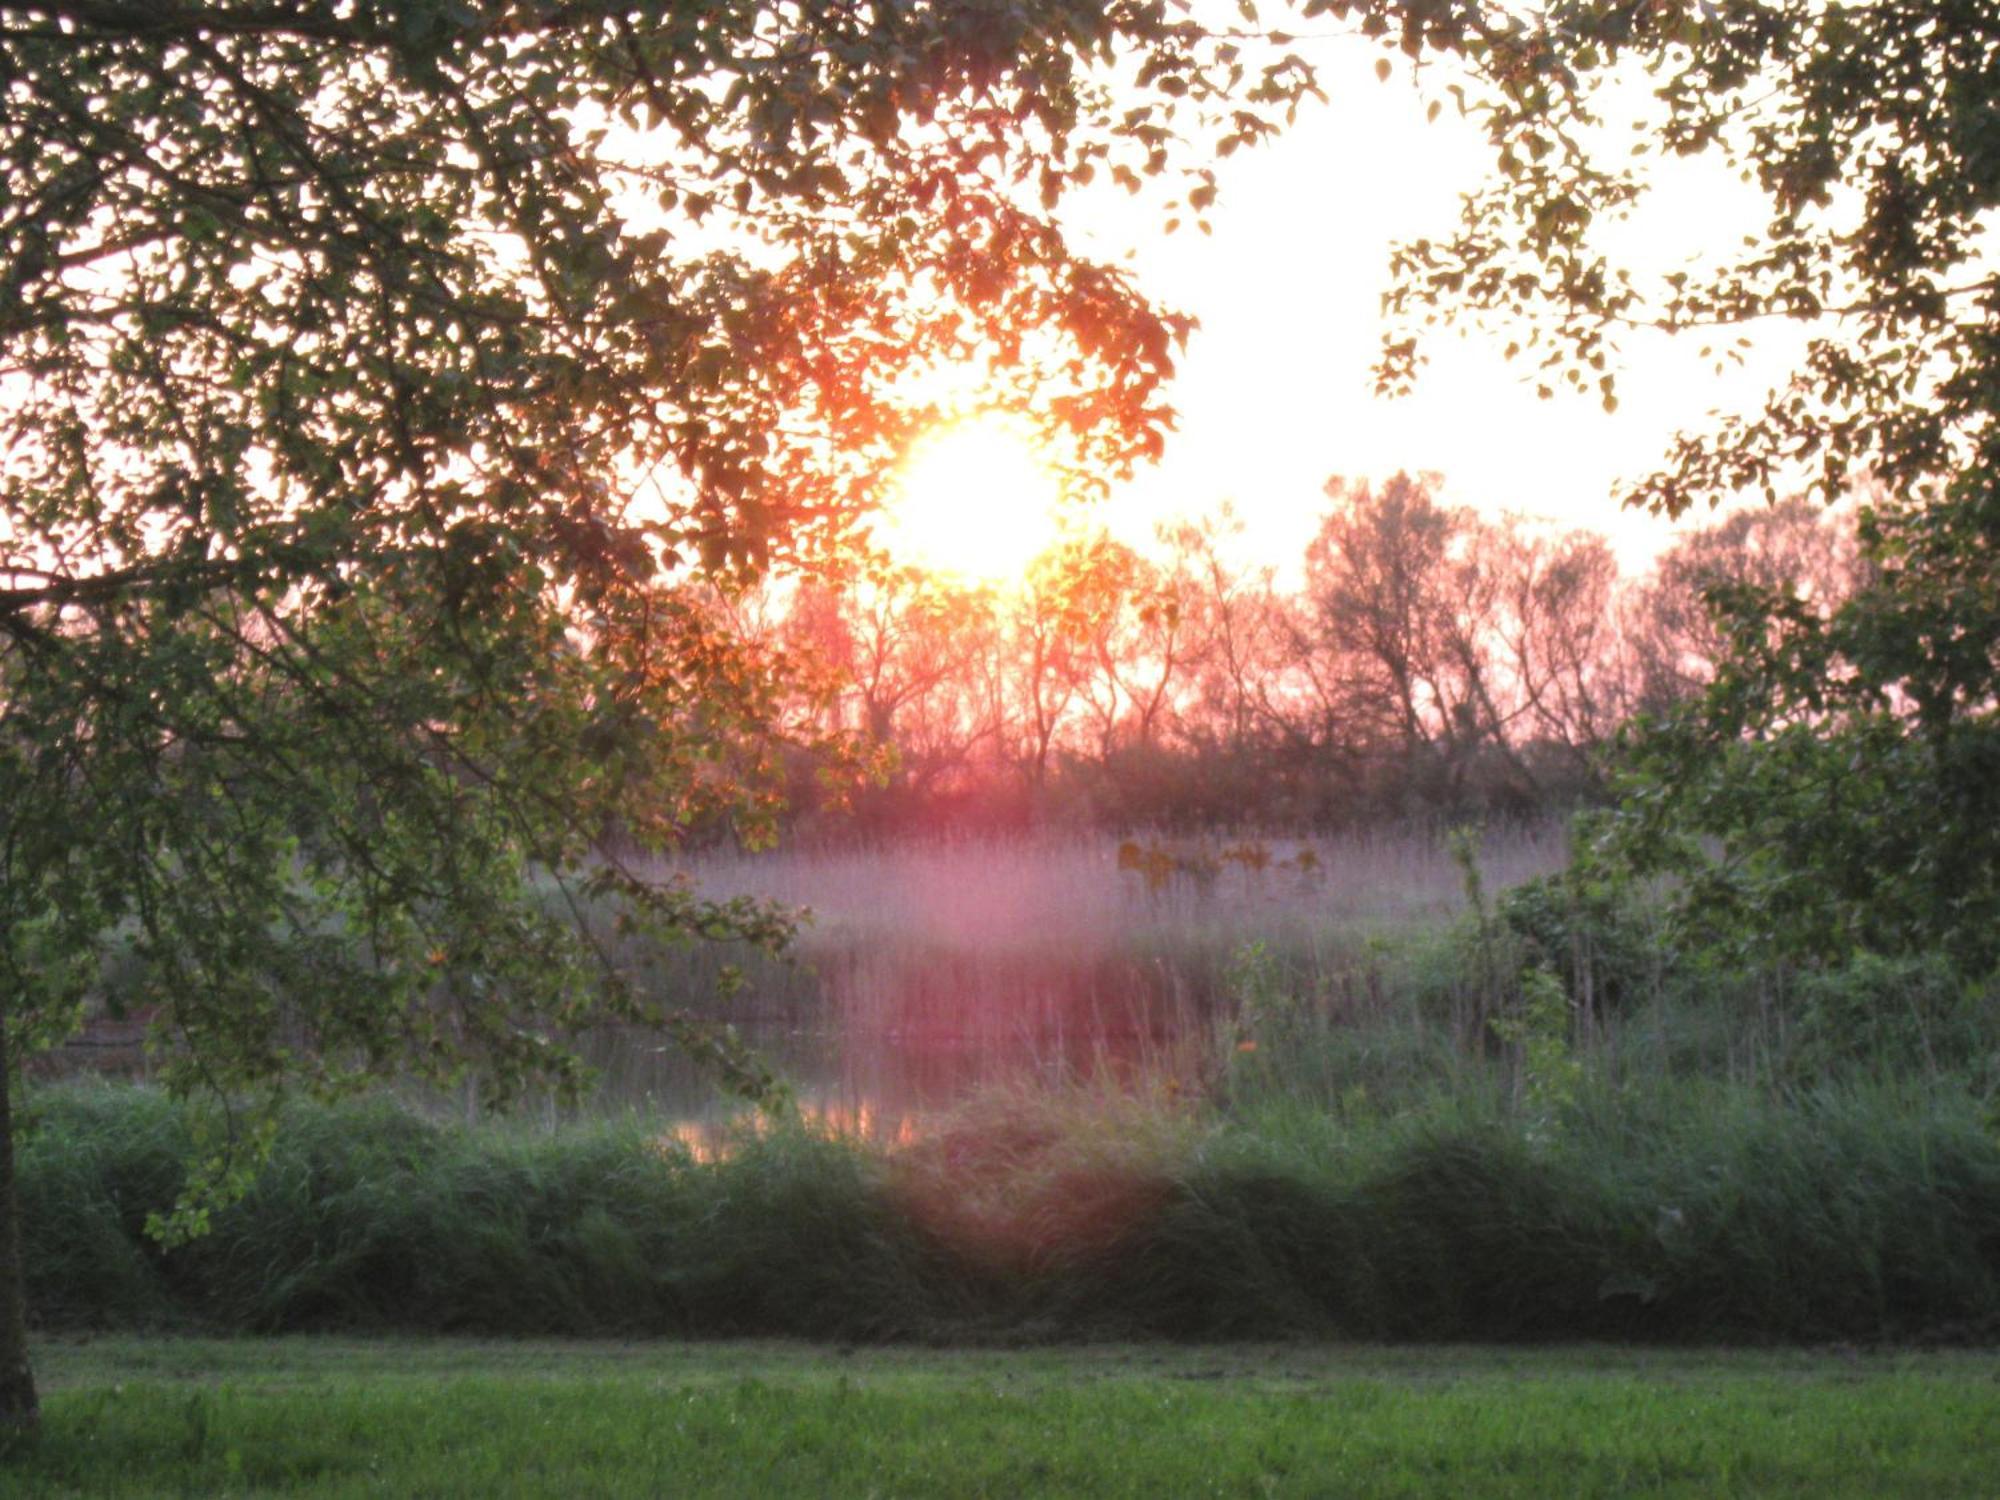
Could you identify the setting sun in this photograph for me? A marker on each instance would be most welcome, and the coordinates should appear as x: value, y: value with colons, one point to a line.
x: 973, y: 500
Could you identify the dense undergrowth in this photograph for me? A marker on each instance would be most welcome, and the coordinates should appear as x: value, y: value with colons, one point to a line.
x: 1689, y: 1212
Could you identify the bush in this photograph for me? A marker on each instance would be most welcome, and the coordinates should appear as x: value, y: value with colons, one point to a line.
x: 1595, y: 936
x: 1894, y: 1015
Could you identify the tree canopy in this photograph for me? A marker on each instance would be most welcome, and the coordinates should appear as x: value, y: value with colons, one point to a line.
x: 390, y: 386
x: 1865, y: 128
x: 1844, y: 759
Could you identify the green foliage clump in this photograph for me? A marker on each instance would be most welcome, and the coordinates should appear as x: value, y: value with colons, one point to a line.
x: 1594, y: 934
x: 1835, y: 791
x: 1551, y: 1071
x: 368, y: 1216
x: 1903, y: 1015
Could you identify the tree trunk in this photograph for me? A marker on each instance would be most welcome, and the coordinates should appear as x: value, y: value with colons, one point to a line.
x: 18, y: 1406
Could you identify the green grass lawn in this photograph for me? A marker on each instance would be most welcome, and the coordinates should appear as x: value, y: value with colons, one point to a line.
x: 133, y: 1416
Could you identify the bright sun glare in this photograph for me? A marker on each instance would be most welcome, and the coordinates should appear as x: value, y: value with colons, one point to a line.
x: 973, y: 501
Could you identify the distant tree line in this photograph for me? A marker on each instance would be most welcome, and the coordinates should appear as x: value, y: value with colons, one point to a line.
x: 1430, y: 662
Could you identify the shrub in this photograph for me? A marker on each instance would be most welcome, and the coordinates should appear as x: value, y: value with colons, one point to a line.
x: 1893, y: 1015
x: 1594, y: 935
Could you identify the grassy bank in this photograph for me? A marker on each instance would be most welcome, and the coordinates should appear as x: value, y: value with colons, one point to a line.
x: 305, y: 1417
x: 1870, y: 1213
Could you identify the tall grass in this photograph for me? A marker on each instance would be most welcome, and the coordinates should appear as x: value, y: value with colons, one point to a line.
x: 1690, y: 1212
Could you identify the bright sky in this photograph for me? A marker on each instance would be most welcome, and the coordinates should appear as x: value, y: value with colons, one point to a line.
x: 1275, y: 392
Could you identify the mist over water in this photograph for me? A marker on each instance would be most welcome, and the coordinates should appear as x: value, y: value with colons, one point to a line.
x: 929, y: 972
